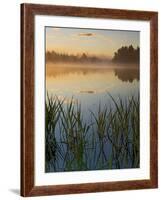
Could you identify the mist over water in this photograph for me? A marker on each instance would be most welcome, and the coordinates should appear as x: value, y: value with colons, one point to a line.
x: 90, y: 84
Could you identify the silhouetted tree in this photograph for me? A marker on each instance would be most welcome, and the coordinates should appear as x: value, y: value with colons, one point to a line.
x: 127, y: 55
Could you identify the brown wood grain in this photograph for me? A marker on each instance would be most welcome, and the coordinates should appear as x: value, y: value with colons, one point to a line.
x: 28, y: 11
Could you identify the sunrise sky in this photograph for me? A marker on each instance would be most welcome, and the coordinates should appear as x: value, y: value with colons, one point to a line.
x: 90, y: 41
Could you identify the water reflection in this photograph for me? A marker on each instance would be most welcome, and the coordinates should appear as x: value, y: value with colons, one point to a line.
x: 83, y: 93
x: 128, y: 73
x: 89, y: 85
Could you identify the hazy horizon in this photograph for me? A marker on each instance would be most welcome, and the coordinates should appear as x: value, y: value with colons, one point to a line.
x: 92, y: 42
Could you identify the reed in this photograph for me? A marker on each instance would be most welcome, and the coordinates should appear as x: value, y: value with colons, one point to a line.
x: 109, y: 140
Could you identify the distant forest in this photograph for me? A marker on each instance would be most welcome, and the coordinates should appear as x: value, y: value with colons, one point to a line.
x: 123, y: 55
x: 127, y: 55
x: 52, y: 56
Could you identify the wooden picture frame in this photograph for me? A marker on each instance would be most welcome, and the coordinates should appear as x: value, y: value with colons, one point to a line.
x: 28, y: 12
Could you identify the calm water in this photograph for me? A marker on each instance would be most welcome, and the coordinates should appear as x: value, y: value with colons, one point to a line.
x: 90, y: 86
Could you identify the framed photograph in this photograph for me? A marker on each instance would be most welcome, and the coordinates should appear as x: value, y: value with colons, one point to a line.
x: 88, y: 99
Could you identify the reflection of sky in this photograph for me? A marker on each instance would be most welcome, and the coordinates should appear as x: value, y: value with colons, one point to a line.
x: 90, y: 89
x: 91, y: 41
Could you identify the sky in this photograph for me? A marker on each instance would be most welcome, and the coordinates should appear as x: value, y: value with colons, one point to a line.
x: 90, y: 41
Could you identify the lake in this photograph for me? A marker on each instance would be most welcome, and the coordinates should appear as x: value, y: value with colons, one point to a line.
x: 91, y: 86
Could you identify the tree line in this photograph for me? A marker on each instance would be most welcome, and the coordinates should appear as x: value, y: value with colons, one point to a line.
x: 125, y: 54
x: 52, y: 56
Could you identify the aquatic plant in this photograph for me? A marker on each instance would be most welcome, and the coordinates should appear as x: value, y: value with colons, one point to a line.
x: 109, y: 140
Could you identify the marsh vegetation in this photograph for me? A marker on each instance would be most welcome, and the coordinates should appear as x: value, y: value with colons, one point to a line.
x: 108, y: 140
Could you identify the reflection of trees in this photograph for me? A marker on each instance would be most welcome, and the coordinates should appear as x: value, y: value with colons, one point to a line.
x: 59, y: 71
x: 124, y: 74
x: 127, y: 74
x: 127, y: 55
